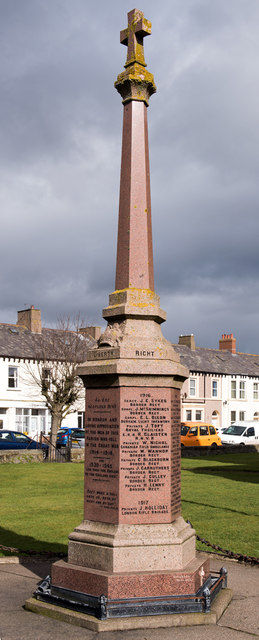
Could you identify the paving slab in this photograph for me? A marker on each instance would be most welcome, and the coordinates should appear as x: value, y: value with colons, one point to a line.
x: 18, y: 582
x: 242, y: 615
x: 190, y: 633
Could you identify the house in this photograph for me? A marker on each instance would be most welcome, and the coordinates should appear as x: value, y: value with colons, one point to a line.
x: 22, y: 407
x: 223, y: 385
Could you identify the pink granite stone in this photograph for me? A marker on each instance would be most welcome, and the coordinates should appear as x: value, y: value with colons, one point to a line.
x: 130, y: 585
x: 128, y: 462
x: 134, y: 248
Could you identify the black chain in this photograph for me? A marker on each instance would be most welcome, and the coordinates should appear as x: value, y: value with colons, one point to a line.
x: 32, y: 552
x: 226, y: 552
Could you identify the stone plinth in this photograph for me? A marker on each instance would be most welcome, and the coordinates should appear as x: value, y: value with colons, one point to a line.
x: 136, y: 584
x: 133, y: 539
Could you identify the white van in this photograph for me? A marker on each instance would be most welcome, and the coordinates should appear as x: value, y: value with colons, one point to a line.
x: 246, y: 432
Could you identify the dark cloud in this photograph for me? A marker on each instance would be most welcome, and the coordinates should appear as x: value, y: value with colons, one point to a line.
x: 60, y: 144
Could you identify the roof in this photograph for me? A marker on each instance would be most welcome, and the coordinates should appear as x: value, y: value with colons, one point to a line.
x: 52, y: 344
x: 201, y: 360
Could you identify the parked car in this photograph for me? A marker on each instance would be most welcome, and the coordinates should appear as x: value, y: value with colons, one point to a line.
x: 18, y: 440
x: 220, y: 431
x: 77, y: 437
x: 242, y: 433
x: 199, y: 434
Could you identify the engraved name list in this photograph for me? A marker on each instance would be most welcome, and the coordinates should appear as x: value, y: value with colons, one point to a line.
x: 128, y: 455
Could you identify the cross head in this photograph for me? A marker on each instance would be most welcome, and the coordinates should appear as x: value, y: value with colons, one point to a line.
x: 132, y: 37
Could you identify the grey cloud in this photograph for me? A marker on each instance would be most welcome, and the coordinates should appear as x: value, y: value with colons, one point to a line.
x: 60, y: 143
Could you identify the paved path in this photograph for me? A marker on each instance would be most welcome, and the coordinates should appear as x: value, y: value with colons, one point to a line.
x: 18, y: 581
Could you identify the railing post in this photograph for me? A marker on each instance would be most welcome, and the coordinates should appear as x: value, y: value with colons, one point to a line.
x: 224, y: 573
x: 103, y: 609
x: 207, y: 599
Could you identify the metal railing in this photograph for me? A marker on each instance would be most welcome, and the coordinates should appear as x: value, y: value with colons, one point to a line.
x: 54, y: 453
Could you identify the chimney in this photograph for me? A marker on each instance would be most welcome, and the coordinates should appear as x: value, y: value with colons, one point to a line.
x: 227, y: 343
x: 30, y: 318
x: 188, y: 341
x: 92, y: 332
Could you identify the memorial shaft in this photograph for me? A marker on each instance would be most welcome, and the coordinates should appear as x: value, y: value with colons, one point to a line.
x: 134, y: 248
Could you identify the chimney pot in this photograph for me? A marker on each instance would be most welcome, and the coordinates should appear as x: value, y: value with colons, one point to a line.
x: 92, y: 332
x: 188, y: 341
x: 30, y: 318
x: 227, y: 343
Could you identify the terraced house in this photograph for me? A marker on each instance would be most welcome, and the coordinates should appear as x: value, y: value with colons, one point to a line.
x: 223, y: 386
x: 24, y: 347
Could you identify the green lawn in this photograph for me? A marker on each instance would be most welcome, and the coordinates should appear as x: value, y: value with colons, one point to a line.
x: 42, y: 503
x: 220, y: 497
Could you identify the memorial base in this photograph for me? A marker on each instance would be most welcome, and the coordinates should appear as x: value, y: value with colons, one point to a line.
x: 130, y: 584
x: 127, y: 548
x: 205, y: 606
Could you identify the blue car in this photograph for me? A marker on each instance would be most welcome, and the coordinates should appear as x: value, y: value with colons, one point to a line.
x: 77, y: 437
x: 17, y: 440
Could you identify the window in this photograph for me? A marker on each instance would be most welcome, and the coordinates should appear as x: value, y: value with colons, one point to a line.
x: 250, y: 432
x: 255, y: 388
x: 12, y: 377
x: 198, y: 415
x: 192, y: 387
x: 214, y: 388
x: 2, y: 413
x: 204, y: 431
x: 45, y: 379
x: 188, y: 415
x: 193, y: 431
x: 22, y: 419
x: 215, y: 417
x: 6, y: 436
x: 241, y: 416
x: 81, y: 419
x: 213, y: 431
x: 233, y: 389
x: 20, y: 437
x: 32, y: 421
x: 242, y: 389
x: 77, y: 434
x: 233, y: 417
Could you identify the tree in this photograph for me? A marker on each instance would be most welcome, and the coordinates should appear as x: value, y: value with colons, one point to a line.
x: 57, y: 355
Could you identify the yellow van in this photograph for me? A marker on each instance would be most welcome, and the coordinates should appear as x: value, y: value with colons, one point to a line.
x: 199, y: 434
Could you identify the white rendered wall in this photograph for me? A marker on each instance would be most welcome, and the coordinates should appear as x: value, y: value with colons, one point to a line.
x: 26, y: 395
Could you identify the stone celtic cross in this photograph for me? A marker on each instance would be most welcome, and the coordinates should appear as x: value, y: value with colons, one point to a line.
x: 132, y: 37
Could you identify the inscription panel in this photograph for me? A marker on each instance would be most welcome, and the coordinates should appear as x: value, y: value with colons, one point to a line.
x: 128, y: 455
x: 176, y: 454
x: 145, y: 455
x: 102, y: 455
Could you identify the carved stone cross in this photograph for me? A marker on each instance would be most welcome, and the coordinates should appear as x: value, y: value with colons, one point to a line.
x: 132, y: 37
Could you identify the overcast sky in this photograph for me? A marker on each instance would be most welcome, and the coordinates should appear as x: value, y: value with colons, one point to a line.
x: 60, y: 146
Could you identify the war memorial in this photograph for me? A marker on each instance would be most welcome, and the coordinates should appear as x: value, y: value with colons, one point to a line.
x: 132, y: 562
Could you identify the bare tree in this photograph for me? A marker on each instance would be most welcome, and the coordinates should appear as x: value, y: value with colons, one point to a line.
x: 57, y: 355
